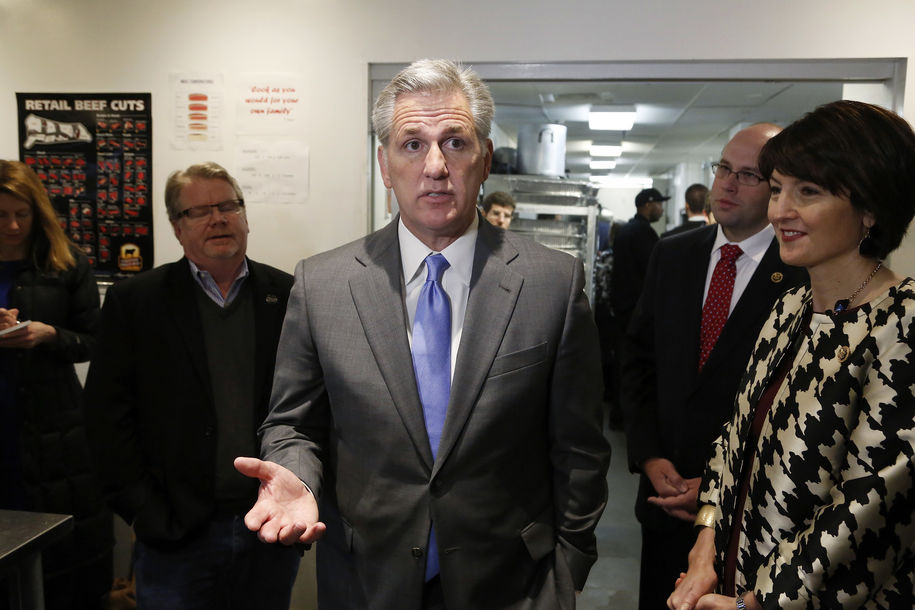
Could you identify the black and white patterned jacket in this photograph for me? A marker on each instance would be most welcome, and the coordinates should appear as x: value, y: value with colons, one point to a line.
x: 828, y: 521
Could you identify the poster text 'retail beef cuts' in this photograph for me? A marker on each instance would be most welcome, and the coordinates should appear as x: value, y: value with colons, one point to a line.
x: 93, y: 152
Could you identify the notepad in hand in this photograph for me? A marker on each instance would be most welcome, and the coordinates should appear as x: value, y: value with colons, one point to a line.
x: 15, y: 327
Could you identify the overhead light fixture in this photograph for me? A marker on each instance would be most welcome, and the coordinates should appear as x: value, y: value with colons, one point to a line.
x: 612, y: 118
x: 602, y: 164
x: 582, y: 146
x: 623, y: 181
x: 605, y: 150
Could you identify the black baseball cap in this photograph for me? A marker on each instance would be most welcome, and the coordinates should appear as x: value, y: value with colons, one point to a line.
x: 647, y: 196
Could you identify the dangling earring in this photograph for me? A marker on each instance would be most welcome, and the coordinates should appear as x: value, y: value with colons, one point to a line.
x: 867, y: 247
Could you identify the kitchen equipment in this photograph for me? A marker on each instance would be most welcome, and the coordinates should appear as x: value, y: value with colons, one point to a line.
x: 542, y: 149
x: 558, y: 213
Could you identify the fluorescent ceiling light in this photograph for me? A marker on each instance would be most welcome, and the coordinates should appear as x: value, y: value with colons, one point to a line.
x: 578, y: 145
x: 622, y: 182
x: 603, y: 150
x: 612, y: 118
x: 602, y: 164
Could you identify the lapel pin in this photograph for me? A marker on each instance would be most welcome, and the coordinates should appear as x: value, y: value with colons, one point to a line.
x: 271, y: 299
x: 777, y: 277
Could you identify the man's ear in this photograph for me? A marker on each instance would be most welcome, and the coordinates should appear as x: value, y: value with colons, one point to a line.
x: 383, y: 166
x: 487, y: 160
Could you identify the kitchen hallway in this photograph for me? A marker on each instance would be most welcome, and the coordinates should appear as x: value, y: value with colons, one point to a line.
x: 614, y: 580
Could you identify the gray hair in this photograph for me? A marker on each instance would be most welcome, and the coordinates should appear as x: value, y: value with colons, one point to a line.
x: 178, y: 179
x: 427, y: 75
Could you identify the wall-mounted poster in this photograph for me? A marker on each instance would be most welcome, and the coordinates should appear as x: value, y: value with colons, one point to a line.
x: 93, y: 151
x: 196, y: 111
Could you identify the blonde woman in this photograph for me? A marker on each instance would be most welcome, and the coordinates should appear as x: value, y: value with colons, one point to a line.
x: 44, y: 459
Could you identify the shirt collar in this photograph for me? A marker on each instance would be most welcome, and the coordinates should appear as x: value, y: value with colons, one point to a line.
x: 198, y: 272
x: 753, y: 246
x: 205, y: 280
x: 459, y: 253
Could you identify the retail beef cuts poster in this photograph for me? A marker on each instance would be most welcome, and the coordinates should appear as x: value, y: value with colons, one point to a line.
x: 93, y: 151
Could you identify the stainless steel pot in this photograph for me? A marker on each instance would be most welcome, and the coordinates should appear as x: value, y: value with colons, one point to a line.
x: 542, y: 149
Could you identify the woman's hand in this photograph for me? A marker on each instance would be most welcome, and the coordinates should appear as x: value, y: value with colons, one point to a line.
x: 28, y: 337
x: 8, y: 317
x: 701, y: 578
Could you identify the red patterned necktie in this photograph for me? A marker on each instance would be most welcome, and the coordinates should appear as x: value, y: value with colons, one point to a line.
x: 718, y: 301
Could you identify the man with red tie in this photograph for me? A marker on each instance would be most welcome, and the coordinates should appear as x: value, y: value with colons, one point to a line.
x: 687, y: 347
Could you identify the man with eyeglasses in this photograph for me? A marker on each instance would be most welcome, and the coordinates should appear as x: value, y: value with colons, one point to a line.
x: 178, y: 385
x: 687, y: 348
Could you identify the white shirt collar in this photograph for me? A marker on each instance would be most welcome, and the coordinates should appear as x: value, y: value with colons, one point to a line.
x: 754, y: 246
x: 459, y: 253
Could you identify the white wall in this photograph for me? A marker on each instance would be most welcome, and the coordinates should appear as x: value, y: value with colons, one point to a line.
x: 129, y: 45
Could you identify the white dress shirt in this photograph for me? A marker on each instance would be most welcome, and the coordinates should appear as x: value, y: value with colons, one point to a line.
x: 455, y: 279
x: 754, y: 248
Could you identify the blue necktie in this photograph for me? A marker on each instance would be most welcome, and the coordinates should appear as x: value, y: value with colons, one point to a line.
x: 432, y: 366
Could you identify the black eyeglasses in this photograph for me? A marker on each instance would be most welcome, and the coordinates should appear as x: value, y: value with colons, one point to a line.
x: 744, y: 177
x: 232, y: 206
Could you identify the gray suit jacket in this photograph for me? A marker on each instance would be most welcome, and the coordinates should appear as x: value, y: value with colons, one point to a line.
x: 521, y: 467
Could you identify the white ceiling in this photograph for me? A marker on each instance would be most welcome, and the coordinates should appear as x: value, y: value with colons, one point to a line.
x: 675, y: 121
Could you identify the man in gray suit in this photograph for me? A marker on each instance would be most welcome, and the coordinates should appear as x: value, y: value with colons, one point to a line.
x: 496, y: 506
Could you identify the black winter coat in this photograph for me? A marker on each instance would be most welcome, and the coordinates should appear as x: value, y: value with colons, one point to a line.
x: 58, y: 472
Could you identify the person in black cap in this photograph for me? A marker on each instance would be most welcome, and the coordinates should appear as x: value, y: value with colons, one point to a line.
x: 631, y: 250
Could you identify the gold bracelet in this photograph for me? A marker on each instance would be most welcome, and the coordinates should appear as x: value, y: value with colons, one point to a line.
x: 706, y: 516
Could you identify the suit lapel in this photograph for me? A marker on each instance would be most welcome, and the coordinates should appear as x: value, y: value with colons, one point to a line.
x: 767, y: 283
x: 692, y: 287
x: 494, y: 290
x: 378, y: 297
x: 182, y: 306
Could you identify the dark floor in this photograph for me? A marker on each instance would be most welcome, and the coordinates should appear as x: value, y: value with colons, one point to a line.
x: 614, y: 580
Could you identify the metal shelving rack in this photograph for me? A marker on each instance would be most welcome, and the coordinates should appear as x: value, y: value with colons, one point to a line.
x: 559, y: 214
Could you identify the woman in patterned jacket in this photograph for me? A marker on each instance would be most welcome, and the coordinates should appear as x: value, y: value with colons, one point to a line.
x: 808, y: 499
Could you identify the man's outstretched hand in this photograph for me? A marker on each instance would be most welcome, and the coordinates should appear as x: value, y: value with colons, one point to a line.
x: 285, y: 510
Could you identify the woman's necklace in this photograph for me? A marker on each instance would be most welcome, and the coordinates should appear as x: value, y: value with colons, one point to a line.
x: 843, y: 304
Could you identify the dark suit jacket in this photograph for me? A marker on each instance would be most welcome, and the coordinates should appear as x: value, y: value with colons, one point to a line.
x: 631, y: 251
x: 686, y: 226
x: 149, y: 400
x: 672, y: 409
x: 519, y: 482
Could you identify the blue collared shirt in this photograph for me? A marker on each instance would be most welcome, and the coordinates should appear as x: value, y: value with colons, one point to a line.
x: 211, y: 288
